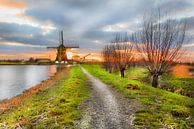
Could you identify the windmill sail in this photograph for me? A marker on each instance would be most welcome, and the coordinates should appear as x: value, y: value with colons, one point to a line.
x: 62, y: 49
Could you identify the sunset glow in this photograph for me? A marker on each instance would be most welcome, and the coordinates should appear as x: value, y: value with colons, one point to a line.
x: 13, y: 4
x: 25, y: 25
x: 97, y: 64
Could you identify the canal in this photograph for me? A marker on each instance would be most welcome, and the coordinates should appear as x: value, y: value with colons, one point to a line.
x: 14, y: 79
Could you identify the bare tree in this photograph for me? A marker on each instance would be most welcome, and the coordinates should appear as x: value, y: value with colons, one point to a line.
x: 118, y: 54
x: 122, y: 53
x: 159, y: 41
x: 107, y: 54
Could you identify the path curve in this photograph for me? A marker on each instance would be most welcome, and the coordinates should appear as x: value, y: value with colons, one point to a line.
x: 107, y: 109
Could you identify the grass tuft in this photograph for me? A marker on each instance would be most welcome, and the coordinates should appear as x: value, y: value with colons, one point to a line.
x: 55, y: 107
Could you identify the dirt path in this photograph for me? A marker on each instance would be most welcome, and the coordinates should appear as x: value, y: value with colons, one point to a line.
x: 107, y: 109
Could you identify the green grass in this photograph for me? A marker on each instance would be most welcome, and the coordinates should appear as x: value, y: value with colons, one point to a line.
x: 13, y: 63
x: 160, y: 108
x: 138, y: 73
x: 56, y: 107
x: 184, y: 86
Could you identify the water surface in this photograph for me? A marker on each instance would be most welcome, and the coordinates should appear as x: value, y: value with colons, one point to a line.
x: 14, y: 79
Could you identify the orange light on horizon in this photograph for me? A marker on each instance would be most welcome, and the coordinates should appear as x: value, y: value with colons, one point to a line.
x: 12, y: 4
x: 51, y: 54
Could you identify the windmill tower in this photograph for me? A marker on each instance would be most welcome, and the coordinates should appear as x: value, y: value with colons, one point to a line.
x: 62, y: 49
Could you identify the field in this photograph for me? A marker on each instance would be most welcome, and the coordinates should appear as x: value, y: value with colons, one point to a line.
x: 183, y: 86
x: 55, y: 107
x: 160, y: 108
x: 14, y: 63
x: 59, y: 106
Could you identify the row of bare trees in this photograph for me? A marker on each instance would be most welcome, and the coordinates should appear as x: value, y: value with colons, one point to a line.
x: 118, y: 54
x: 159, y: 41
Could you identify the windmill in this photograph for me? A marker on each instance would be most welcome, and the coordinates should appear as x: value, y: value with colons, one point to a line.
x: 62, y: 49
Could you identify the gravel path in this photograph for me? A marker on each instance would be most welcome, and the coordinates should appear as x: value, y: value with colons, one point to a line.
x: 107, y: 109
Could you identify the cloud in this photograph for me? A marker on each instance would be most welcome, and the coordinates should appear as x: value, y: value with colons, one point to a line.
x: 90, y: 23
x: 189, y: 45
x: 16, y: 44
x: 12, y: 4
x: 190, y: 22
x: 25, y: 36
x: 174, y: 5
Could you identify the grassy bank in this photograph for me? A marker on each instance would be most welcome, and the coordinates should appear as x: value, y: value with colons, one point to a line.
x: 14, y: 63
x: 183, y: 86
x: 55, y: 107
x: 160, y: 108
x: 17, y: 100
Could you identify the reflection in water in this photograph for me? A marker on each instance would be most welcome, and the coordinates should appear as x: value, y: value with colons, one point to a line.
x: 14, y: 79
x: 182, y: 70
x: 53, y: 69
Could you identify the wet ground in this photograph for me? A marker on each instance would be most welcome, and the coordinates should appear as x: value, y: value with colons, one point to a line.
x: 106, y: 109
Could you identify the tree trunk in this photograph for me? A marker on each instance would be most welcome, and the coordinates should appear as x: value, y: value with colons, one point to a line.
x: 110, y: 70
x: 122, y: 71
x: 106, y: 68
x: 155, y: 80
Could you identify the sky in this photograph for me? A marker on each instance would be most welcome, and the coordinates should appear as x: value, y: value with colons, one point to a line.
x: 28, y: 26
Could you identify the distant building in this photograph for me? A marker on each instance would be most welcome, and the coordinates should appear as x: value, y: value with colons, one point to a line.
x: 31, y: 59
x: 43, y: 60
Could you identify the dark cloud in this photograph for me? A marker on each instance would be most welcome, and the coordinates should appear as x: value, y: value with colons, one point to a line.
x: 190, y: 22
x: 12, y: 32
x: 175, y: 5
x: 12, y: 29
x: 83, y: 20
x: 20, y: 49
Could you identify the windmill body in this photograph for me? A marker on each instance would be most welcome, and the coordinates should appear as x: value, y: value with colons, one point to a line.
x: 61, y: 54
x: 62, y: 50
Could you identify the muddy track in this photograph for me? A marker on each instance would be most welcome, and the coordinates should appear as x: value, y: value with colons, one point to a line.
x: 106, y: 109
